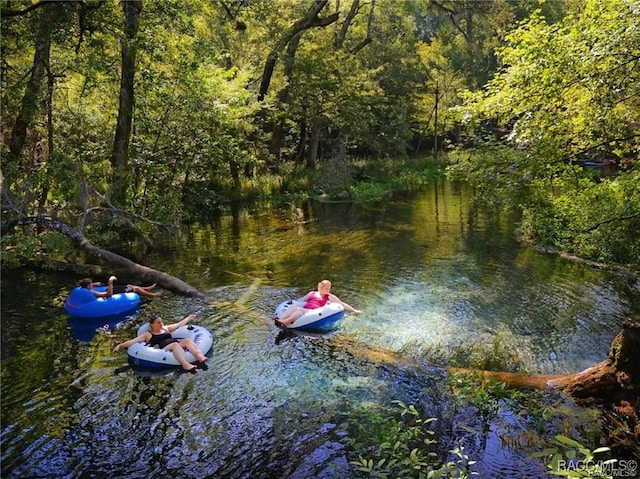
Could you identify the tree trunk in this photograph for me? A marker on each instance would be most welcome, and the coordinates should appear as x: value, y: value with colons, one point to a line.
x: 613, y: 385
x: 340, y: 36
x: 302, y: 142
x: 116, y: 263
x: 369, y: 38
x: 435, y: 123
x: 617, y: 377
x: 32, y: 93
x: 283, y: 100
x: 120, y: 157
x: 309, y: 20
x: 50, y: 143
x: 314, y: 144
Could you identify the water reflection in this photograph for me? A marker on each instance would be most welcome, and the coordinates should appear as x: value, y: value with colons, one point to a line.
x: 440, y: 282
x: 84, y: 329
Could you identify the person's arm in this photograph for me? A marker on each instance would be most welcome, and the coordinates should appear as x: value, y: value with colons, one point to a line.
x: 144, y: 337
x: 347, y: 308
x: 112, y: 279
x: 172, y: 327
x: 104, y: 294
x: 306, y: 296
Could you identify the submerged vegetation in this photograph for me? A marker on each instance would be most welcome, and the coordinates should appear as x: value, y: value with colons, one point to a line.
x: 399, y: 446
x: 404, y: 442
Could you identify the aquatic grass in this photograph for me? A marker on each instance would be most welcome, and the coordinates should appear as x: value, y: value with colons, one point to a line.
x: 400, y: 180
x: 365, y: 181
x: 486, y: 396
x: 569, y: 458
x: 497, y: 351
x: 399, y: 445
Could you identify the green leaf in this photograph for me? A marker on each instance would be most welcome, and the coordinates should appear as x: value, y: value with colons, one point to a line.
x: 568, y: 441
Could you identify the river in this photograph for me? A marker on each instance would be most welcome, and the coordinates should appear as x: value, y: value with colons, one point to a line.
x: 440, y: 283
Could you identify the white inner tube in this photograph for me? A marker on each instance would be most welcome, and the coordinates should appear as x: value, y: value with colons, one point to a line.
x: 141, y: 354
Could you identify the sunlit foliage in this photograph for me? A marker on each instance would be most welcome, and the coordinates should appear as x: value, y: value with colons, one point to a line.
x: 372, y: 80
x: 567, y: 93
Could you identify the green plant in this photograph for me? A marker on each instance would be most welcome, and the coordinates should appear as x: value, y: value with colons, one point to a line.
x: 569, y: 458
x: 398, y: 446
x: 484, y: 395
x: 42, y: 247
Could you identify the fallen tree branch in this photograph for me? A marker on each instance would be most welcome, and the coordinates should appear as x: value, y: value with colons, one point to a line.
x: 613, y: 385
x: 116, y: 262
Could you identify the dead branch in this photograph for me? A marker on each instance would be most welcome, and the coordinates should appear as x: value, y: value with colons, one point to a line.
x: 611, y: 220
x: 115, y: 261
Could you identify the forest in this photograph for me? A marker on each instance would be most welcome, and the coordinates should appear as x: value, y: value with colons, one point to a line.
x: 125, y: 121
x: 121, y: 119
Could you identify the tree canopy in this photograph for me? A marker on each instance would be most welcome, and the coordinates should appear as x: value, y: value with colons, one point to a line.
x: 172, y: 109
x: 567, y: 94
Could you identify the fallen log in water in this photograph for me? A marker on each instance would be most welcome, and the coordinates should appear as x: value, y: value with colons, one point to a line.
x: 617, y: 377
x: 613, y: 385
x: 117, y: 264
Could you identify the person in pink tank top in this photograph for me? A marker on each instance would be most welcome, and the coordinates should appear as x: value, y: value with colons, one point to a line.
x: 313, y: 300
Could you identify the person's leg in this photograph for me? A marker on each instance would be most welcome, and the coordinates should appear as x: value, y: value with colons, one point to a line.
x: 291, y: 315
x: 193, y: 348
x: 288, y: 313
x: 178, y: 353
x: 143, y: 291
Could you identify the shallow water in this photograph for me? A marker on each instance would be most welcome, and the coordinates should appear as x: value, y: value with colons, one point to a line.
x: 440, y: 283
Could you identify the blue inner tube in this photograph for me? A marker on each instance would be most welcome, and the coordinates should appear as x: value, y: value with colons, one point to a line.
x: 82, y: 303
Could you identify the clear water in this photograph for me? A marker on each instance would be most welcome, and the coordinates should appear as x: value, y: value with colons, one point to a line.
x: 439, y: 282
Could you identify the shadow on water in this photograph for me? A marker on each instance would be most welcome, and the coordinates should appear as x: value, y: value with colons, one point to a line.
x: 440, y: 284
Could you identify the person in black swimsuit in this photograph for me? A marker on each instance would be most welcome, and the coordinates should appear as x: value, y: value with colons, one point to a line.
x: 111, y: 289
x: 160, y: 335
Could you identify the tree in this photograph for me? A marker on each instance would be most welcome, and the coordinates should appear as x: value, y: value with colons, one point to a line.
x: 120, y: 157
x: 309, y: 20
x: 49, y: 16
x: 573, y: 88
x: 569, y: 92
x: 439, y: 95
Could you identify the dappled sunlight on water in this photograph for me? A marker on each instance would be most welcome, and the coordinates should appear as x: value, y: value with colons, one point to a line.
x: 439, y: 284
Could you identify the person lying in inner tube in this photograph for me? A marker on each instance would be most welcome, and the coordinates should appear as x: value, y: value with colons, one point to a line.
x: 111, y: 289
x: 160, y: 335
x: 313, y: 300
